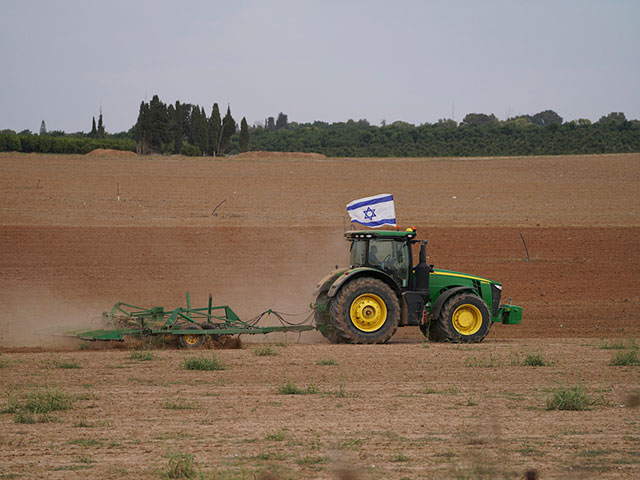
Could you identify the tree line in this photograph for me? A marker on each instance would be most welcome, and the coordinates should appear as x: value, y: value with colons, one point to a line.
x: 183, y: 128
x: 478, y: 134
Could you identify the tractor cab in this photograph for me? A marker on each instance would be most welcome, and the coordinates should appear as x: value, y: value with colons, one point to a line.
x: 389, y: 253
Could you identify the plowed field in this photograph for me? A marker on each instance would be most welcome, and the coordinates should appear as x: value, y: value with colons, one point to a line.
x: 78, y: 233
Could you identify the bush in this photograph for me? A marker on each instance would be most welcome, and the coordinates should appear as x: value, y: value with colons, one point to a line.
x: 190, y: 150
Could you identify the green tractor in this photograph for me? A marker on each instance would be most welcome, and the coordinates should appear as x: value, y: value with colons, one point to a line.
x: 382, y: 290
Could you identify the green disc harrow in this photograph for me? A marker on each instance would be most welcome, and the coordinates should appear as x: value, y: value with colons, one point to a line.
x: 189, y: 325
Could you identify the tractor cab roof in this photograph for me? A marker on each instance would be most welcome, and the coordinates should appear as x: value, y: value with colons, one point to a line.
x: 408, y: 234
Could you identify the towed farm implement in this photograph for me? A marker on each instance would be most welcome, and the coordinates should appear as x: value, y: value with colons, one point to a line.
x: 189, y: 325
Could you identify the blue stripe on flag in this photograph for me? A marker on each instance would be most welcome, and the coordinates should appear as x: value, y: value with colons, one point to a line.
x: 386, y: 221
x: 388, y: 198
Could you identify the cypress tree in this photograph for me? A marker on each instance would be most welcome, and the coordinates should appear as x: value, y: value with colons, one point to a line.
x: 159, y: 123
x: 177, y: 129
x: 143, y: 129
x: 202, y: 131
x: 215, y: 128
x: 228, y: 129
x: 244, y: 140
x: 100, y: 133
x: 94, y: 132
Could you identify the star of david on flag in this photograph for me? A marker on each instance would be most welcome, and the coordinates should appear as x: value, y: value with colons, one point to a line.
x: 373, y: 211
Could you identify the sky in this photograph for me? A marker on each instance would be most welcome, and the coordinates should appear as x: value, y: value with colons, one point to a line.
x: 415, y: 61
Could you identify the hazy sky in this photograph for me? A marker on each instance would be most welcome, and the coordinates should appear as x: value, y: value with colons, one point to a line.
x: 416, y: 61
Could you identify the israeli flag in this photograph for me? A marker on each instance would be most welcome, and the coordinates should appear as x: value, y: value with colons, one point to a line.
x: 373, y: 211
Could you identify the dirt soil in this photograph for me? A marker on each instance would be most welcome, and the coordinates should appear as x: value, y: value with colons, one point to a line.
x: 78, y: 233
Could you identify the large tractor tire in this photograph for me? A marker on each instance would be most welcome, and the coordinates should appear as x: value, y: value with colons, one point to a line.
x: 366, y: 310
x: 464, y: 318
x: 323, y: 319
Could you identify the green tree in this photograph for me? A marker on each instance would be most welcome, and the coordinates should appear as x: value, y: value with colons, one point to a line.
x: 228, y: 129
x: 282, y: 121
x: 158, y: 123
x: 613, y: 118
x: 177, y: 128
x: 244, y: 140
x: 215, y: 129
x: 142, y: 129
x: 479, y: 119
x: 201, y: 130
x: 94, y: 131
x: 100, y: 133
x: 270, y: 123
x: 545, y: 118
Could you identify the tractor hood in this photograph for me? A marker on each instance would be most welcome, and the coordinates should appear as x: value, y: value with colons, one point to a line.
x: 450, y: 273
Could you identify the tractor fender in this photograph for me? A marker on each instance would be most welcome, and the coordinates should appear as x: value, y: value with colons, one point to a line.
x: 444, y: 296
x: 326, y: 282
x: 357, y: 273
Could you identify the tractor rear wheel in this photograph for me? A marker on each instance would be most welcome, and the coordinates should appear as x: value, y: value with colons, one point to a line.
x: 464, y: 318
x: 366, y: 310
x: 191, y: 340
x: 322, y: 316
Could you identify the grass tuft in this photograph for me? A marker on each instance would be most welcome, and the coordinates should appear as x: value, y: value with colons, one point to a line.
x: 400, y: 457
x: 141, y: 356
x: 69, y: 364
x: 625, y: 359
x: 276, y: 437
x: 45, y: 401
x: 569, y: 398
x: 179, y: 404
x: 290, y: 388
x: 535, y: 360
x: 181, y: 465
x: 203, y: 363
x: 30, y: 418
x: 482, y: 363
x: 328, y: 361
x: 619, y: 344
x: 342, y: 392
x: 266, y: 351
x: 312, y: 460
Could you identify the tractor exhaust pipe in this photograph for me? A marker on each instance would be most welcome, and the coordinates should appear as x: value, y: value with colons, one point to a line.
x: 422, y: 269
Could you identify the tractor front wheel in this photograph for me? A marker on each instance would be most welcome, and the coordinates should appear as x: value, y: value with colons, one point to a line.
x: 464, y: 317
x: 366, y: 310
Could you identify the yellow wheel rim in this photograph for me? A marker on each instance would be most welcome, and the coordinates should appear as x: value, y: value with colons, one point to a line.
x: 191, y: 339
x: 467, y: 319
x: 368, y: 312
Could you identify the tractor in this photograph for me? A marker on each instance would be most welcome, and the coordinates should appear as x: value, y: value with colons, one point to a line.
x: 382, y: 290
